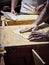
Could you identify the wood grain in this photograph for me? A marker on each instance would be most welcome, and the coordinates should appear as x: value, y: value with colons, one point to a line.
x: 9, y: 38
x: 20, y: 20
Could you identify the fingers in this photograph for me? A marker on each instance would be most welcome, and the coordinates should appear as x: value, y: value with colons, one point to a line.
x: 33, y: 34
x: 13, y: 11
x: 29, y: 28
x: 40, y: 7
x: 38, y: 36
x: 25, y: 29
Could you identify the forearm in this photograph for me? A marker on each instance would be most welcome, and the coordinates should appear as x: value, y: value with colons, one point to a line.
x: 43, y: 15
x: 13, y: 4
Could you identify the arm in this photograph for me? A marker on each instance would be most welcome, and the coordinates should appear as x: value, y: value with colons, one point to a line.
x: 40, y: 7
x: 43, y: 15
x: 13, y: 4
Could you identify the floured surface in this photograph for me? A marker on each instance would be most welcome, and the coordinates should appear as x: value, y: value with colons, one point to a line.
x: 11, y: 38
x: 26, y: 34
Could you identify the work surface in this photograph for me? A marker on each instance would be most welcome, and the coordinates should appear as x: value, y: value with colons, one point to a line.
x: 9, y: 38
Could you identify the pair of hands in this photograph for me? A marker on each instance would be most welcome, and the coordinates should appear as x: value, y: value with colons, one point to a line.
x: 36, y: 35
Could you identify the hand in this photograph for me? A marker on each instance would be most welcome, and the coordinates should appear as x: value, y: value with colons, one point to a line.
x: 40, y: 7
x: 29, y: 28
x: 13, y: 11
x: 38, y: 35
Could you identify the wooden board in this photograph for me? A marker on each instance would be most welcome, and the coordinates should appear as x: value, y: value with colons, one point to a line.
x: 20, y: 19
x: 9, y: 38
x: 26, y: 34
x: 14, y: 17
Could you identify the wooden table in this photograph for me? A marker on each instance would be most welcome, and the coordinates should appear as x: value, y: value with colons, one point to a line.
x: 9, y: 38
x: 19, y: 49
x: 21, y: 20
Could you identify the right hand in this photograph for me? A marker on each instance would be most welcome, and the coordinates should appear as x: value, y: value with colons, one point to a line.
x: 29, y: 28
x: 13, y: 11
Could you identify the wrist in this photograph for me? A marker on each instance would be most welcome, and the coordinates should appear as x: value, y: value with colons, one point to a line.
x: 13, y: 11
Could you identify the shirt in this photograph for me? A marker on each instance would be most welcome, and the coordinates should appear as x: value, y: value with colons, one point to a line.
x: 28, y: 6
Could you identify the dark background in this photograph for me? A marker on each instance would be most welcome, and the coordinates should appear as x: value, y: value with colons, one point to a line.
x: 5, y: 5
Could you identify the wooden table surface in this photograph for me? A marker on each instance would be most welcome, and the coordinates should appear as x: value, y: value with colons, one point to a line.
x: 9, y: 38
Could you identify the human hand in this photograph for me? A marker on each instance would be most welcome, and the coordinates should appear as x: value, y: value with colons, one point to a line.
x: 38, y: 35
x: 39, y: 8
x: 13, y: 11
x: 29, y: 28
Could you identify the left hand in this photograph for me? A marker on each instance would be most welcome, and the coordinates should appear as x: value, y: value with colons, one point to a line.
x: 39, y: 35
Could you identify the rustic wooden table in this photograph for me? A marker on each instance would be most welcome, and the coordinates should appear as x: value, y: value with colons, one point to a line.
x: 9, y: 38
x: 18, y: 47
